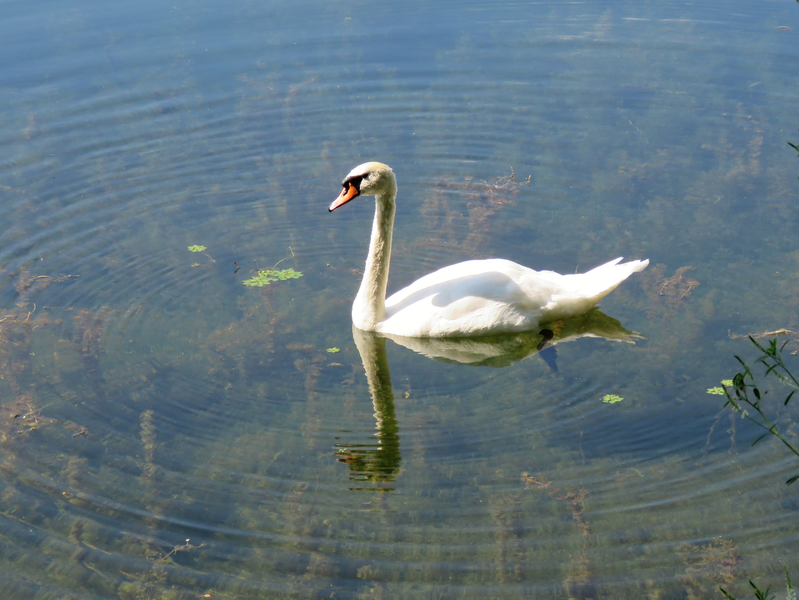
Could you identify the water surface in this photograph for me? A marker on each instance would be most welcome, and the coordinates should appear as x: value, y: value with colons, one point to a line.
x: 169, y: 432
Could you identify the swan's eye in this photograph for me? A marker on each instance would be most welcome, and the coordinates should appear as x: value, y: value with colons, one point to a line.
x: 354, y: 181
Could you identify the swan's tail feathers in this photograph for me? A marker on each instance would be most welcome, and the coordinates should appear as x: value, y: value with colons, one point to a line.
x: 600, y: 281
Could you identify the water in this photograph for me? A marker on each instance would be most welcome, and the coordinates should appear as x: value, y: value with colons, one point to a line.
x: 168, y: 432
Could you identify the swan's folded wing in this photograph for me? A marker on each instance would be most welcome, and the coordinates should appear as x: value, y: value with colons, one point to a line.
x: 469, y: 298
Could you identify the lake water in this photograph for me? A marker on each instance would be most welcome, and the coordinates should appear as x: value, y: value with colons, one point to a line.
x: 168, y: 432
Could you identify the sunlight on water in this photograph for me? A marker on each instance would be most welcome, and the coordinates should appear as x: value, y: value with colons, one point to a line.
x: 169, y: 432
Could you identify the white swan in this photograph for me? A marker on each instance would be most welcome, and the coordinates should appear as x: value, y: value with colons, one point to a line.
x: 476, y: 297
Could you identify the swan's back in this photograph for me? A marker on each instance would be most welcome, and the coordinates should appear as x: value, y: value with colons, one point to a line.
x: 480, y: 297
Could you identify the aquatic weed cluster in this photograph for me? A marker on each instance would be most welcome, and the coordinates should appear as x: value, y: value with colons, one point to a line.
x: 267, y: 276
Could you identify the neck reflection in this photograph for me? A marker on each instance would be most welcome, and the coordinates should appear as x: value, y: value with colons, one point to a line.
x: 379, y: 461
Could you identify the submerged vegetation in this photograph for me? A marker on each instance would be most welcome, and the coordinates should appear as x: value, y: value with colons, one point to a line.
x: 141, y: 408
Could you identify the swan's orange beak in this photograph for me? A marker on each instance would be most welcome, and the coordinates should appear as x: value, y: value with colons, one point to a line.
x: 348, y: 193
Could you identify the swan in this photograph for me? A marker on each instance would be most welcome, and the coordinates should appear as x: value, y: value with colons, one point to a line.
x: 471, y: 298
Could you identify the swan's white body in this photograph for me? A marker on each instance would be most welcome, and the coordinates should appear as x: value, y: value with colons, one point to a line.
x: 476, y: 297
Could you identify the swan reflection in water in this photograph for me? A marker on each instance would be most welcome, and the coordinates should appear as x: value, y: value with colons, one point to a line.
x: 379, y: 462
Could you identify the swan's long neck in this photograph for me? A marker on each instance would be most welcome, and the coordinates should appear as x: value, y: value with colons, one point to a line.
x: 369, y: 308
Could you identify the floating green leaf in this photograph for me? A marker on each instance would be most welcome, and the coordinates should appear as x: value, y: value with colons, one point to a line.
x: 612, y: 398
x: 196, y: 248
x: 719, y: 391
x: 333, y: 350
x: 267, y: 276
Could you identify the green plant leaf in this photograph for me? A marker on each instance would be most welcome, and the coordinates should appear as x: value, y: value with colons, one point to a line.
x: 760, y: 594
x: 738, y: 381
x: 744, y: 381
x: 761, y: 437
x: 612, y: 398
x: 197, y: 248
x: 266, y: 276
x: 287, y: 274
x: 333, y: 350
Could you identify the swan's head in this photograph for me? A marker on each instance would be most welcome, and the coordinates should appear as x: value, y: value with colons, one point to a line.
x: 368, y: 179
